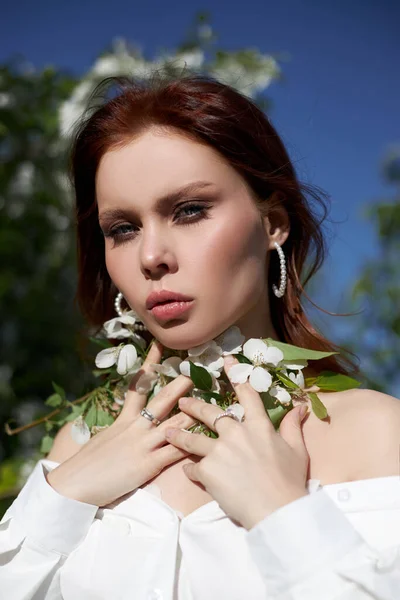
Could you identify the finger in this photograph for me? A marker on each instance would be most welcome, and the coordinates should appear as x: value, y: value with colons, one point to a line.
x: 180, y: 421
x: 161, y: 405
x: 134, y: 401
x: 206, y: 413
x: 191, y: 472
x: 194, y: 443
x: 247, y: 395
x: 168, y: 454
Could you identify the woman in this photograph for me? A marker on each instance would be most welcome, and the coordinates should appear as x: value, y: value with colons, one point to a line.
x: 185, y: 188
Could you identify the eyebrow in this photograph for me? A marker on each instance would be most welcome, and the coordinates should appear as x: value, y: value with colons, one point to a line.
x: 168, y: 198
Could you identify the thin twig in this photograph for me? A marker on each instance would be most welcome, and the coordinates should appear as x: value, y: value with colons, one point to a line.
x: 10, y: 431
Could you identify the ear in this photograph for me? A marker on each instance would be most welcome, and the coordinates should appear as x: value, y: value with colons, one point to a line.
x: 277, y: 226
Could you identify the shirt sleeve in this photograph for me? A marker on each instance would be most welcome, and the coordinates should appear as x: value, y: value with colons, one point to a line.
x: 37, y: 533
x: 308, y: 550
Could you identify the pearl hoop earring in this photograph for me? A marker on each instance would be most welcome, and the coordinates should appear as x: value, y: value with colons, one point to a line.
x: 279, y: 292
x: 138, y: 326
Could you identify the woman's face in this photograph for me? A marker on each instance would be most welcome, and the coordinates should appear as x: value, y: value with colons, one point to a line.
x: 209, y: 243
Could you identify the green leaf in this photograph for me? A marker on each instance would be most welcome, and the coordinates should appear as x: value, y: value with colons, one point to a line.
x: 200, y: 377
x: 242, y: 358
x: 295, y: 353
x: 276, y: 415
x: 103, y: 343
x: 48, y: 426
x: 104, y: 418
x: 46, y: 444
x: 54, y: 400
x: 319, y: 409
x: 91, y: 416
x: 100, y: 372
x: 75, y: 412
x: 208, y: 395
x: 335, y: 382
x: 58, y: 390
x: 288, y: 382
x: 309, y: 381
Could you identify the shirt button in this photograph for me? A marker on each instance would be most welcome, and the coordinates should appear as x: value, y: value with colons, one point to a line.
x: 343, y: 495
x: 154, y: 594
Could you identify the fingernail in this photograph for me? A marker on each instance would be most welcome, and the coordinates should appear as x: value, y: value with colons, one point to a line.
x: 170, y: 432
x: 183, y: 401
x: 302, y: 412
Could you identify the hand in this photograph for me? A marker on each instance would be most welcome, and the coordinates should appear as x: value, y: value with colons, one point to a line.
x: 250, y: 469
x: 131, y: 451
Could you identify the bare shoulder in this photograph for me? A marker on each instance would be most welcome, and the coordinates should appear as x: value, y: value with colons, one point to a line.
x: 360, y: 439
x: 63, y: 446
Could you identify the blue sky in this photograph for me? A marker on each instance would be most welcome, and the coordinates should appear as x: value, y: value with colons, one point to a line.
x: 337, y: 109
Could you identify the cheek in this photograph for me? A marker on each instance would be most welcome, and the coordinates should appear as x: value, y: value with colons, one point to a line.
x: 233, y: 254
x: 120, y: 264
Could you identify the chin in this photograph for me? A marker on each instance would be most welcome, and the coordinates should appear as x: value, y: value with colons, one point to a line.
x: 178, y: 335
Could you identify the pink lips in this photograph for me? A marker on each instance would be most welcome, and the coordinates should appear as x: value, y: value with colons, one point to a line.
x: 165, y: 304
x: 170, y: 310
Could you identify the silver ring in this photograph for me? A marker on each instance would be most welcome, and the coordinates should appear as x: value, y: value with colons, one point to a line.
x: 227, y: 414
x: 148, y: 415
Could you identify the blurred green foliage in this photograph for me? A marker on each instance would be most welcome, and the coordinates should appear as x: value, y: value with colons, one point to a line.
x: 39, y: 324
x: 376, y: 339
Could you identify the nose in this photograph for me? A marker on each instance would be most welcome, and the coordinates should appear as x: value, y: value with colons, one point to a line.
x: 156, y: 254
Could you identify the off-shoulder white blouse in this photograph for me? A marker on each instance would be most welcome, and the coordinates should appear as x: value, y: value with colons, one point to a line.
x: 339, y: 542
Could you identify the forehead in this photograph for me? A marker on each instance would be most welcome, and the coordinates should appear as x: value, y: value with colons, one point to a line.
x: 157, y: 162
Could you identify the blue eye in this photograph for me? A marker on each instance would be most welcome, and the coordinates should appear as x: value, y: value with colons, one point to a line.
x: 185, y: 214
x: 198, y: 209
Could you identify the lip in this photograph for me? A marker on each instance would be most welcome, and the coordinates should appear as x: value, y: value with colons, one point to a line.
x: 165, y: 296
x: 170, y: 310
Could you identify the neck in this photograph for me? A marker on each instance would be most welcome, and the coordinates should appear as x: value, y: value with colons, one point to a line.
x: 257, y: 322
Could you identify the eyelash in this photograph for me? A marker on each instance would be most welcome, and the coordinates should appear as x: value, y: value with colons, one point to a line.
x: 119, y: 238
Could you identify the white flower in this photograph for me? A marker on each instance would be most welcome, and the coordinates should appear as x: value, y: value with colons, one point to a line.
x: 236, y: 409
x: 206, y: 355
x: 124, y: 356
x: 80, y: 432
x: 114, y: 328
x: 280, y: 394
x: 298, y: 379
x: 169, y: 368
x: 259, y: 378
x: 298, y: 365
x: 230, y: 341
x: 260, y: 355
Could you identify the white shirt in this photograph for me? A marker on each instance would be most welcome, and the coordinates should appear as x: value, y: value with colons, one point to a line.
x: 339, y: 542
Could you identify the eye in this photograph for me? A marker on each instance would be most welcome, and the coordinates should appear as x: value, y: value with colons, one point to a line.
x: 121, y: 233
x: 191, y: 211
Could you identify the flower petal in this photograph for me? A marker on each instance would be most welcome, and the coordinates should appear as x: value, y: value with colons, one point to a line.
x: 146, y: 382
x: 231, y: 340
x: 297, y: 378
x: 260, y: 379
x: 295, y: 365
x: 255, y: 350
x: 80, y: 432
x: 184, y: 368
x: 274, y: 356
x: 236, y: 409
x: 280, y: 393
x: 240, y: 372
x: 169, y: 367
x: 126, y: 359
x: 197, y: 350
x: 106, y: 358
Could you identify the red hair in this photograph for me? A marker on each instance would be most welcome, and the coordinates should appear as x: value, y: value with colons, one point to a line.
x: 211, y: 112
